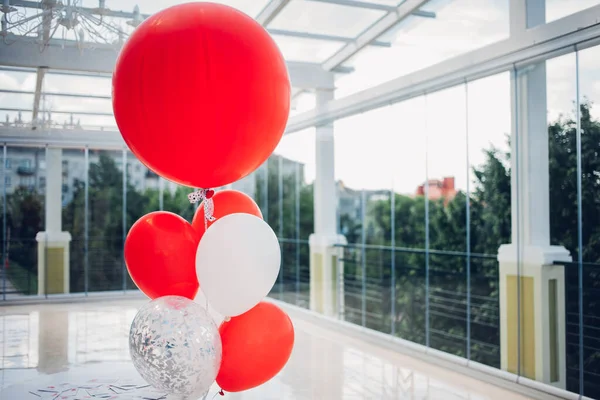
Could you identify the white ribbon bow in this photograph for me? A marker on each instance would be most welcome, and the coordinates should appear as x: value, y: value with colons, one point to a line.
x: 209, y: 206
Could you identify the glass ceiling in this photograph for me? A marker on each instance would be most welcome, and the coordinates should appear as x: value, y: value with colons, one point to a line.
x: 325, y: 18
x: 310, y: 31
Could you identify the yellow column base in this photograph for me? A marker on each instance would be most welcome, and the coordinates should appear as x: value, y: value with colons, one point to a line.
x: 53, y: 262
x: 532, y: 316
x: 326, y: 270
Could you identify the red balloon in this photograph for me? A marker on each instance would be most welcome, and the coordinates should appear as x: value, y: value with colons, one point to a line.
x: 226, y: 202
x: 256, y: 346
x: 160, y: 253
x: 201, y: 94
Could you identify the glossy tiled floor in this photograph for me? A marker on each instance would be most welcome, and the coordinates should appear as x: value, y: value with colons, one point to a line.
x: 47, y: 343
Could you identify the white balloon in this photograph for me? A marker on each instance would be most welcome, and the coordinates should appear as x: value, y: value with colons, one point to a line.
x: 237, y: 263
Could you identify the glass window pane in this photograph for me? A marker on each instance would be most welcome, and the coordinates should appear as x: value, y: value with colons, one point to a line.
x: 365, y: 180
x: 75, y: 104
x: 295, y: 158
x: 250, y: 7
x: 561, y: 97
x: 15, y: 109
x: 556, y: 9
x: 419, y: 42
x: 589, y: 90
x: 307, y: 50
x: 17, y: 80
x: 143, y: 196
x: 489, y: 125
x: 445, y: 190
x: 561, y: 82
x: 73, y: 176
x: 409, y: 172
x: 25, y: 213
x: 106, y: 264
x: 325, y: 18
x: 175, y: 200
x: 258, y: 188
x: 385, y: 2
x: 62, y: 83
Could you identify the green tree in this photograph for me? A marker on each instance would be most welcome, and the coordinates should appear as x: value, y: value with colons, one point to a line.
x: 24, y: 219
x: 105, y: 264
x: 178, y: 203
x: 279, y: 205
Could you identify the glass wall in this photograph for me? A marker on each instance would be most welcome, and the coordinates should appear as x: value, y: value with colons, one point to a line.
x: 428, y: 191
x: 424, y: 260
x: 588, y: 254
x: 286, y: 200
x: 99, y: 194
x: 556, y: 9
x: 23, y: 205
x: 445, y: 188
x: 364, y: 192
x: 444, y: 29
x: 574, y: 168
x: 488, y: 211
x: 424, y: 194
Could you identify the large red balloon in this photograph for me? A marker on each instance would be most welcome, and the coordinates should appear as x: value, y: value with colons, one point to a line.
x: 256, y: 346
x: 201, y: 94
x: 226, y: 202
x: 160, y: 253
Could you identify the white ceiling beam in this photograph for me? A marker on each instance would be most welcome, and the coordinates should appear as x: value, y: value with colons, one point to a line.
x: 70, y: 112
x: 271, y: 10
x: 96, y: 11
x: 63, y: 138
x: 63, y: 55
x: 58, y: 94
x: 318, y: 36
x: 579, y: 30
x: 374, y: 6
x: 384, y: 24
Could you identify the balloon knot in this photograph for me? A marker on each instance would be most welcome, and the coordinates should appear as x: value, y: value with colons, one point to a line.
x: 221, y: 392
x: 205, y: 195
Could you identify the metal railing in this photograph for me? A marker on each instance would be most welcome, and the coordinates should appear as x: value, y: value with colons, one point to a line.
x: 96, y: 265
x: 385, y: 289
x: 293, y: 283
x: 591, y: 326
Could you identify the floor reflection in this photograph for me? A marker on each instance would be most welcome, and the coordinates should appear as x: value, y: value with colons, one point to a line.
x: 39, y: 341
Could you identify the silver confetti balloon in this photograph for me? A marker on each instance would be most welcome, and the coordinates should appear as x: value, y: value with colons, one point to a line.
x: 175, y: 346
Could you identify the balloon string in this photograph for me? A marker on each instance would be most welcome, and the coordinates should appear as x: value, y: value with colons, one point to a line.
x: 209, y: 205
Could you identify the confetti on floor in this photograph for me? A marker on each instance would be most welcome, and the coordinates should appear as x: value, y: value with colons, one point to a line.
x: 105, y: 389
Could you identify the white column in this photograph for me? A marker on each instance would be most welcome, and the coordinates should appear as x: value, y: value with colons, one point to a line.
x: 53, y: 190
x: 532, y: 288
x: 53, y: 243
x: 325, y: 268
x: 325, y: 189
x: 530, y: 200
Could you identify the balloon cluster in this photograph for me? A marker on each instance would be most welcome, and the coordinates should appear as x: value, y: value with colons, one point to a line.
x: 201, y: 95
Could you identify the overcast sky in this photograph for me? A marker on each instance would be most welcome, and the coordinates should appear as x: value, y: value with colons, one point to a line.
x: 385, y: 148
